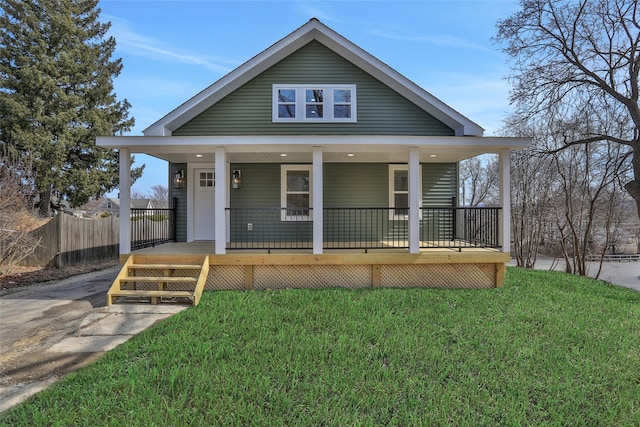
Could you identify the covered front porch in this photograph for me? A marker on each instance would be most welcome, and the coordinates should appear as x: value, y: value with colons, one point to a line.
x: 349, y: 200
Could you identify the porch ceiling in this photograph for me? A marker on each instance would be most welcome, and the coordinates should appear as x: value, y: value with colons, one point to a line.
x: 364, y: 149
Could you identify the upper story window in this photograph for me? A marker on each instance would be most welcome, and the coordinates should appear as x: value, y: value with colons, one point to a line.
x: 314, y: 103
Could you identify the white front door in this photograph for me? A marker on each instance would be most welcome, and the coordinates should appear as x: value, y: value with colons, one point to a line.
x: 203, y: 203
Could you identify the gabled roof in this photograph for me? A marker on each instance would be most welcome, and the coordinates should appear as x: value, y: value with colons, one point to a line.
x: 313, y: 30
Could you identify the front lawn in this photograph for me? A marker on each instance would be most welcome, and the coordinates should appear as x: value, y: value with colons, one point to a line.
x: 547, y: 348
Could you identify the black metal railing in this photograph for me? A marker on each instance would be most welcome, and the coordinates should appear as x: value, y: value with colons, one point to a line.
x: 478, y: 226
x: 362, y: 228
x: 270, y: 228
x: 152, y: 226
x: 365, y: 228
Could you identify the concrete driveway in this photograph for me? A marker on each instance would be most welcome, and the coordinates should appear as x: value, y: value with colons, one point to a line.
x: 624, y: 273
x: 49, y: 330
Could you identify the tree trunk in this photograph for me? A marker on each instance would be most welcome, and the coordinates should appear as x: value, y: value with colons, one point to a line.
x: 633, y: 187
x: 45, y: 204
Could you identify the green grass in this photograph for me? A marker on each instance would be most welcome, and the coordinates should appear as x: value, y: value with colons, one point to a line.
x: 547, y: 348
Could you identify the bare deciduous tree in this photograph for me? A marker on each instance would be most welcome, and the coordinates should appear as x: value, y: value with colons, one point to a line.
x: 530, y: 203
x: 479, y: 181
x: 588, y: 176
x: 160, y: 196
x: 16, y: 214
x: 579, y: 56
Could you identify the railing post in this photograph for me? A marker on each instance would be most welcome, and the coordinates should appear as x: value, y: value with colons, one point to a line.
x: 174, y: 220
x: 454, y: 222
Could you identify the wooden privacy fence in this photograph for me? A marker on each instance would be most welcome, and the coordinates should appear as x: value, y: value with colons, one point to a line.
x: 67, y: 240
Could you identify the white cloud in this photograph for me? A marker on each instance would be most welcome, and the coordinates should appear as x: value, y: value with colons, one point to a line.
x: 137, y: 44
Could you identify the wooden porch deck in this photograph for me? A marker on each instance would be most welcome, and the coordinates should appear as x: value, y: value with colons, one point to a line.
x: 471, y: 268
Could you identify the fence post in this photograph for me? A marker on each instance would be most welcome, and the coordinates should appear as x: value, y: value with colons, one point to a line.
x: 58, y: 261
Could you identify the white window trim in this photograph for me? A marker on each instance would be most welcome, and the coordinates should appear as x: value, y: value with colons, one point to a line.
x: 300, y: 103
x: 283, y: 192
x: 392, y: 211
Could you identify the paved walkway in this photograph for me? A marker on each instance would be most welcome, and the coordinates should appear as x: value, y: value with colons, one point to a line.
x: 624, y: 273
x: 49, y: 330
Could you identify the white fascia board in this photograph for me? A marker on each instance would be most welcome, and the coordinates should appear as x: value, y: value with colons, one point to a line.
x: 177, y: 144
x: 286, y: 46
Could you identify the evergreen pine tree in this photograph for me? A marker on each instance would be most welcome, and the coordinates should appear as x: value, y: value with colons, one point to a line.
x: 56, y: 97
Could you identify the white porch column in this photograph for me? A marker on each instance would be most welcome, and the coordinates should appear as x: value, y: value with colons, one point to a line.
x: 504, y: 223
x: 414, y: 201
x: 125, y: 201
x: 220, y: 199
x: 318, y: 199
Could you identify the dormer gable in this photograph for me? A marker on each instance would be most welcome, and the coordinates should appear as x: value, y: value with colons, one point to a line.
x: 313, y: 31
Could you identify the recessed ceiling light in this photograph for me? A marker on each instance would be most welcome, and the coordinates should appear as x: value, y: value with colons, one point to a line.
x: 350, y: 155
x: 283, y: 155
x: 433, y: 155
x: 198, y: 155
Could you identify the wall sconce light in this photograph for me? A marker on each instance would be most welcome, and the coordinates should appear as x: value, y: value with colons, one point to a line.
x: 236, y: 179
x: 179, y: 179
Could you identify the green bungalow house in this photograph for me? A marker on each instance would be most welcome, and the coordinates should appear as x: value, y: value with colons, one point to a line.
x: 313, y: 160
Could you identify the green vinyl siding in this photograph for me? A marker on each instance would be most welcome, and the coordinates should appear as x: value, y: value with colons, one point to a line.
x: 363, y: 185
x: 248, y: 110
x: 346, y: 185
x: 180, y: 196
x: 439, y: 186
x: 260, y: 191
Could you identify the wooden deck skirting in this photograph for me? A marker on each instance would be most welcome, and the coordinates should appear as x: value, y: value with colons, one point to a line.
x: 447, y: 269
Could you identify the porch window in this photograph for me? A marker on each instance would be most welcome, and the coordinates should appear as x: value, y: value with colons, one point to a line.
x: 399, y: 192
x: 314, y: 103
x: 296, y: 193
x: 207, y: 179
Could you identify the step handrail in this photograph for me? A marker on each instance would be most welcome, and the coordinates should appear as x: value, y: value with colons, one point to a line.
x: 202, y: 280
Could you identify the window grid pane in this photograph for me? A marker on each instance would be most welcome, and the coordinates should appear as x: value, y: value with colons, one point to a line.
x: 342, y: 96
x: 287, y: 103
x: 401, y: 181
x: 342, y: 111
x: 298, y: 181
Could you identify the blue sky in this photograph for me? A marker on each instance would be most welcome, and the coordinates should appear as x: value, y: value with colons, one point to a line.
x: 171, y: 50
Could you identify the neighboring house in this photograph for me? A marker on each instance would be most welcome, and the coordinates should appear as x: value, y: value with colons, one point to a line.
x: 95, y: 208
x: 316, y: 144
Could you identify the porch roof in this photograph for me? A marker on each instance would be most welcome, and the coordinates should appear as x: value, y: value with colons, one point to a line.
x: 336, y: 149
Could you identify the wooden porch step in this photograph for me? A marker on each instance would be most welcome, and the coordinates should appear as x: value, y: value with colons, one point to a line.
x: 156, y: 296
x: 145, y: 279
x: 165, y: 266
x: 152, y: 294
